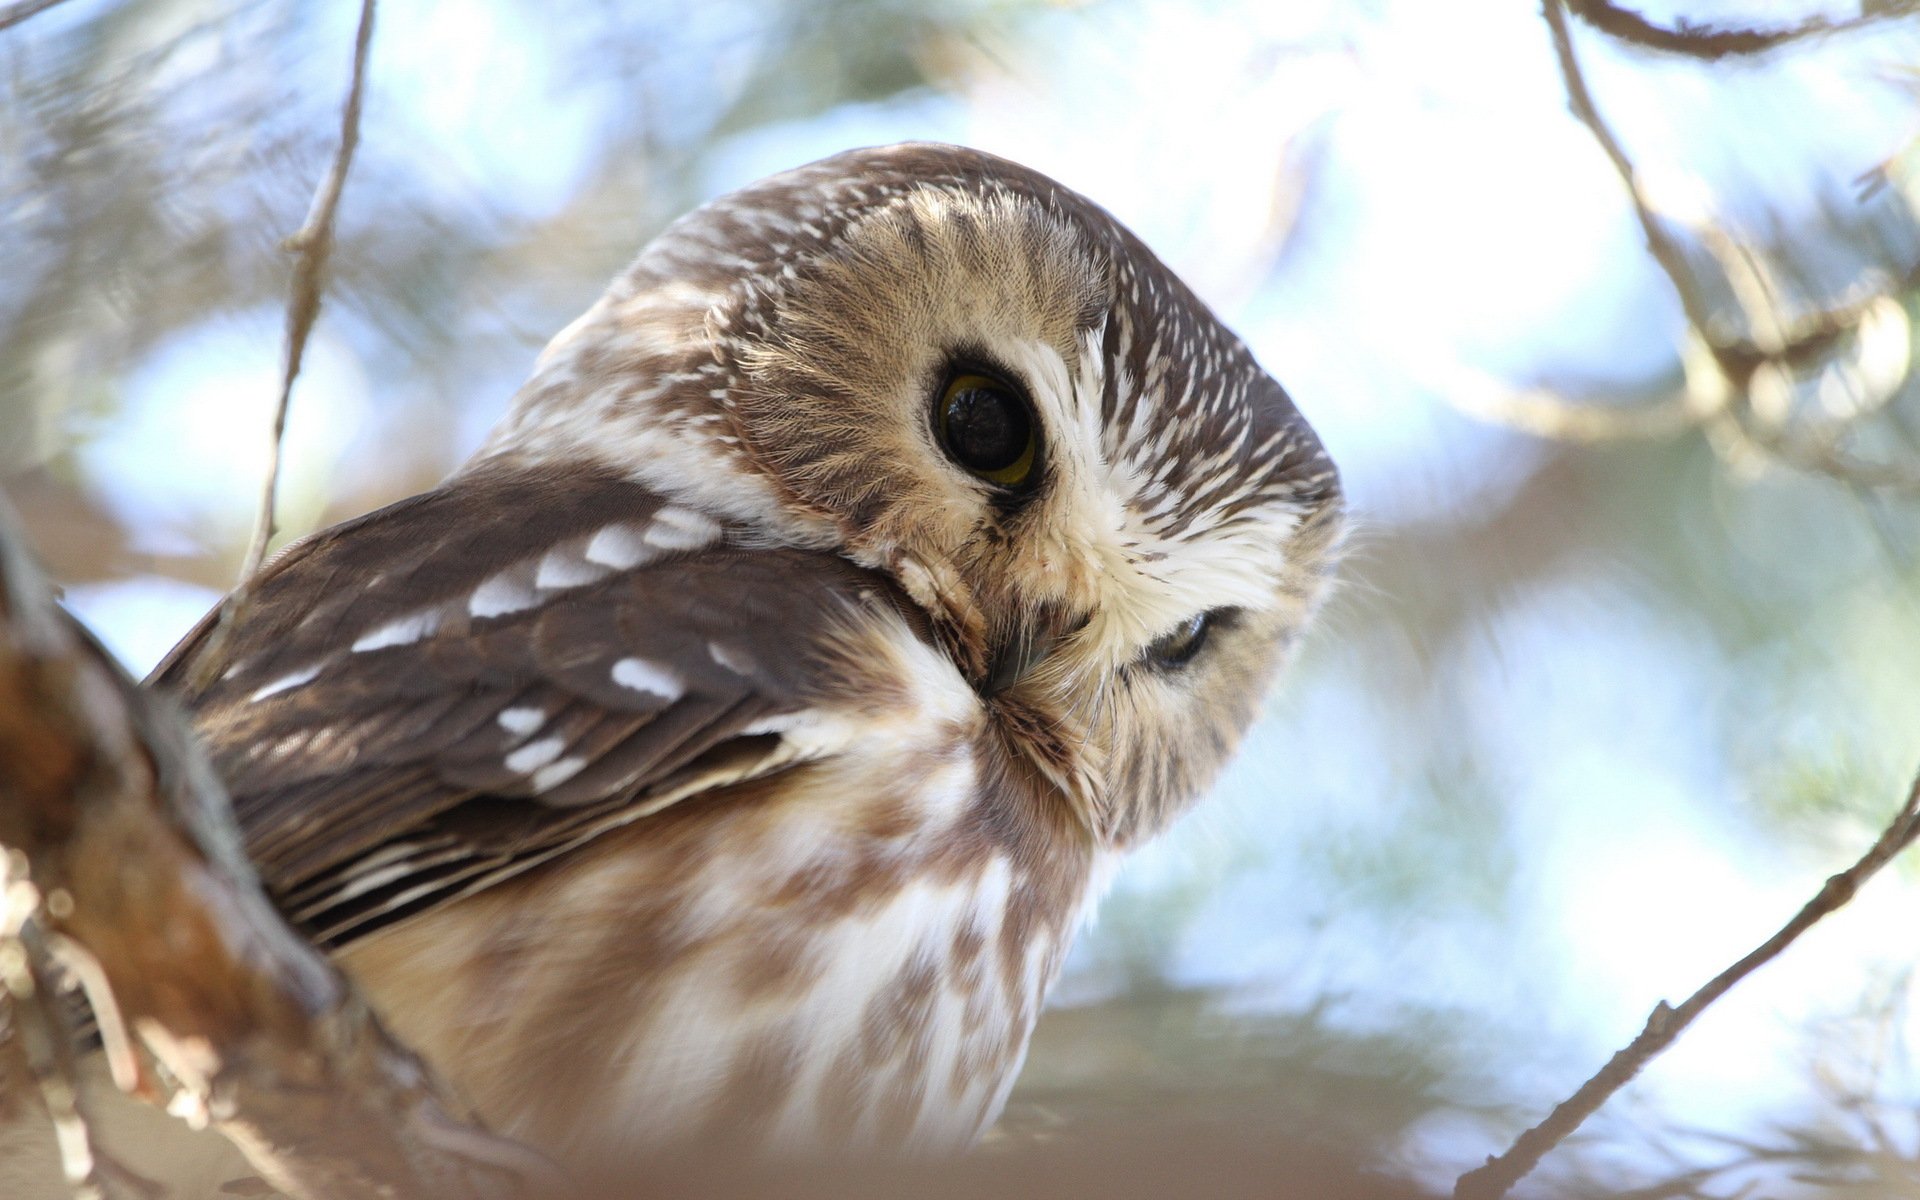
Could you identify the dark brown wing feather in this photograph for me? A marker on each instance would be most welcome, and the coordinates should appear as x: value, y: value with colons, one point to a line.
x: 468, y: 743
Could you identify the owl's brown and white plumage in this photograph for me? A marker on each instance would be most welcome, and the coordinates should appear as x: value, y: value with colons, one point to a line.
x: 732, y: 748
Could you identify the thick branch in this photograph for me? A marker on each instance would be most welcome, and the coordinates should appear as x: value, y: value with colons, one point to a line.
x: 1714, y: 42
x: 1498, y: 1176
x: 111, y: 816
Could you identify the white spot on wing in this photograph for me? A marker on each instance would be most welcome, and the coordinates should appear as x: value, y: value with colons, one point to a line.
x: 500, y: 595
x: 554, y: 774
x: 522, y: 720
x: 730, y: 657
x: 400, y: 631
x: 534, y: 755
x: 676, y: 528
x: 371, y: 880
x: 642, y: 676
x: 560, y: 569
x: 279, y: 748
x: 621, y: 547
x: 777, y: 723
x: 286, y: 682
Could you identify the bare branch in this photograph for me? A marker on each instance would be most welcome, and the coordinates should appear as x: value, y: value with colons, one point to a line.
x: 1546, y: 415
x: 1820, y: 453
x: 1711, y: 42
x: 22, y: 10
x: 1543, y: 413
x: 1665, y: 250
x: 120, y: 844
x: 1773, y: 348
x: 1497, y: 1177
x: 312, y: 246
x: 43, y: 1025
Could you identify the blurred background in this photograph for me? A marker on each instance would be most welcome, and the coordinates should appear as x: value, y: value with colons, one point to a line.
x: 1627, y: 656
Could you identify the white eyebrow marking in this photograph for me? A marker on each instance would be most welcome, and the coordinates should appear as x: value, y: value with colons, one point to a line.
x: 676, y: 528
x: 643, y: 676
x: 730, y: 658
x: 288, y: 681
x: 500, y: 595
x: 522, y: 720
x: 621, y: 547
x: 400, y: 631
x: 560, y: 569
x: 558, y: 773
x: 534, y: 755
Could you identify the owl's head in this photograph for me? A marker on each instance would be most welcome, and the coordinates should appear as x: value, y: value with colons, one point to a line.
x: 967, y: 378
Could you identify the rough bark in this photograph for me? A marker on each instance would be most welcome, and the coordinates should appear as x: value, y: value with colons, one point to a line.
x: 123, y: 866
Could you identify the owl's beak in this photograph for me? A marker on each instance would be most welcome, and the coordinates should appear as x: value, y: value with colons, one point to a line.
x: 1021, y: 655
x: 954, y: 618
x: 1016, y: 661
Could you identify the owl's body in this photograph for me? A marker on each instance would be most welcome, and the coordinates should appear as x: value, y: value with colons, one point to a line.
x: 851, y: 957
x: 730, y: 751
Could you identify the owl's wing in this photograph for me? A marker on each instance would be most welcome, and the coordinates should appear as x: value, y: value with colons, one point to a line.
x: 425, y: 700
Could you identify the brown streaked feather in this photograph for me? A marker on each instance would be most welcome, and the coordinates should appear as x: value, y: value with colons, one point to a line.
x: 463, y: 747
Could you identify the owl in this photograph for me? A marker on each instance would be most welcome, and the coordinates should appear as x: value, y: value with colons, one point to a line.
x: 729, y: 751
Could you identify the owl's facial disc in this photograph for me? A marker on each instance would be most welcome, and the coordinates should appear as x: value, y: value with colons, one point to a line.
x: 955, y: 372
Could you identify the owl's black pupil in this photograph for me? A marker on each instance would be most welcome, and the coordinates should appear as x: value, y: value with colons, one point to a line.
x: 987, y: 429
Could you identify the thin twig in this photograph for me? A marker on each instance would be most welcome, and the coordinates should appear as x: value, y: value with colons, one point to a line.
x: 1714, y: 42
x: 1497, y: 1177
x: 1665, y: 250
x: 312, y: 246
x: 22, y: 10
x: 41, y: 1020
x: 1820, y: 453
x: 1771, y: 341
x: 1543, y: 413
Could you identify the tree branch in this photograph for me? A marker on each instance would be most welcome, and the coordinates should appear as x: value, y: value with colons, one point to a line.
x: 43, y: 1027
x: 21, y: 10
x: 1544, y: 413
x: 1661, y: 244
x: 1714, y: 42
x: 1497, y: 1177
x: 119, y: 844
x: 312, y: 246
x: 1722, y: 394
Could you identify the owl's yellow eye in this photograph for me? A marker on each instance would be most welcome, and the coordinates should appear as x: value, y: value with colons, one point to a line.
x: 986, y: 427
